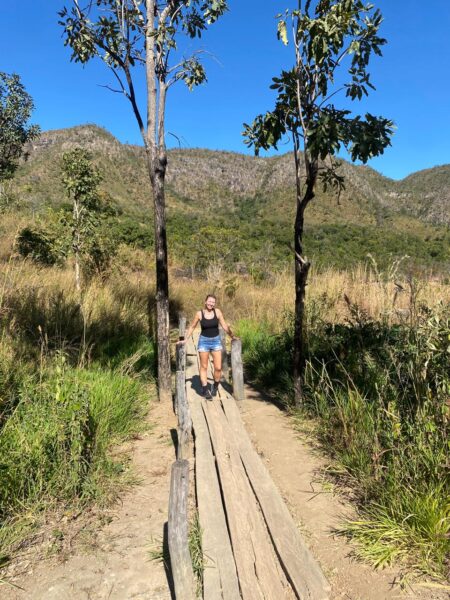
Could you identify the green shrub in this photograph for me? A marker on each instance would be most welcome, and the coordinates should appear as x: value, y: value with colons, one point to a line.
x: 55, y: 445
x: 40, y: 245
x: 379, y: 395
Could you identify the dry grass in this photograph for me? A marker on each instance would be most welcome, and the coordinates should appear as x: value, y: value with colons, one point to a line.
x: 11, y: 224
x: 127, y: 291
x: 386, y: 295
x: 41, y: 308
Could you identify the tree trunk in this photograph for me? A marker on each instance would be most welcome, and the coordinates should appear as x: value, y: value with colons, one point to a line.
x: 302, y: 266
x: 301, y: 276
x: 76, y: 243
x: 77, y: 273
x: 157, y: 172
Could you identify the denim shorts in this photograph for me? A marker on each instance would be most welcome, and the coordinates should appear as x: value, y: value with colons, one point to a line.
x: 209, y: 344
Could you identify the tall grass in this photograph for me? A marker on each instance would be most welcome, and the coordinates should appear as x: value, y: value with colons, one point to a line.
x: 380, y: 294
x: 75, y: 380
x: 378, y: 391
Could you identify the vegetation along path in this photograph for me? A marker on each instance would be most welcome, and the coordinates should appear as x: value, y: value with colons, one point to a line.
x: 116, y: 563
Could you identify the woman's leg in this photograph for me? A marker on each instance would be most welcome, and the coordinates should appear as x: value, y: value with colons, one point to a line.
x: 217, y: 361
x: 204, y: 367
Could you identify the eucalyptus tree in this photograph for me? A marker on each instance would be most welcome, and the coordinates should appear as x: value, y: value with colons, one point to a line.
x: 333, y: 42
x: 16, y: 106
x: 132, y: 34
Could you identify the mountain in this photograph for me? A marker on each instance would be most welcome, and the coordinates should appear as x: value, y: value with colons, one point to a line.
x: 233, y: 191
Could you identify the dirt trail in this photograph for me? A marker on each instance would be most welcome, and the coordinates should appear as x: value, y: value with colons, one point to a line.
x: 294, y: 467
x: 117, y: 565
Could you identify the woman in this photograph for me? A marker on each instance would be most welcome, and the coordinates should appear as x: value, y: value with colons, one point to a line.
x: 209, y: 341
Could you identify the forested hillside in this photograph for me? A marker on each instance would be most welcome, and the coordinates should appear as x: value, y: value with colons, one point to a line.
x: 243, y: 206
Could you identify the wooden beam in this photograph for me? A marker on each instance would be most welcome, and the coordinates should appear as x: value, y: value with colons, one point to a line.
x: 260, y: 576
x: 237, y: 369
x: 180, y: 559
x: 184, y: 416
x: 223, y: 339
x: 180, y: 355
x: 220, y: 580
x: 302, y: 570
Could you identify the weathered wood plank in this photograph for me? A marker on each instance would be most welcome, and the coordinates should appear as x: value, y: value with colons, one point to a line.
x: 220, y: 574
x: 220, y: 580
x: 260, y: 578
x: 180, y: 351
x: 223, y: 339
x: 184, y: 416
x: 180, y: 559
x: 300, y: 566
x: 237, y: 369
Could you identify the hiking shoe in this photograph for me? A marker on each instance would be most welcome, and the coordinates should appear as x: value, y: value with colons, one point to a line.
x: 215, y: 389
x: 206, y: 392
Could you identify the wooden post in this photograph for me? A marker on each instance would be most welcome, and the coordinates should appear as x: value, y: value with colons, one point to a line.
x: 237, y: 369
x: 181, y: 327
x: 180, y: 559
x: 184, y: 417
x: 181, y: 357
x: 181, y: 404
x: 181, y: 348
x: 223, y: 339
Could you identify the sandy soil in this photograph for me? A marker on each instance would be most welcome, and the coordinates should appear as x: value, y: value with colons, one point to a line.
x: 112, y: 561
x: 295, y: 468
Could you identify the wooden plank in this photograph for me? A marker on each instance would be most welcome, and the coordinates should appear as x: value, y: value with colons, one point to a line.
x: 180, y: 559
x: 237, y: 369
x: 219, y: 576
x: 220, y: 580
x: 300, y: 566
x: 260, y: 578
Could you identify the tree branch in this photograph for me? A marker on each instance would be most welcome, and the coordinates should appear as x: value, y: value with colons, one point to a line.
x: 330, y: 96
x: 298, y: 256
x: 132, y: 98
x: 111, y: 89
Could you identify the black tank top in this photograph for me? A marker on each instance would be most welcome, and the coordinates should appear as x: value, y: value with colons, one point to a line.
x: 210, y: 327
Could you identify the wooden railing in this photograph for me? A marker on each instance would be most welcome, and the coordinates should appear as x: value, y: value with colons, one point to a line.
x: 178, y: 525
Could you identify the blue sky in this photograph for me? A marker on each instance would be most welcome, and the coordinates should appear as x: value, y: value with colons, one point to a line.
x: 413, y: 86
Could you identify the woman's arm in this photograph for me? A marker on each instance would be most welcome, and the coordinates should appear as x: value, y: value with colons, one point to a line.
x: 224, y: 324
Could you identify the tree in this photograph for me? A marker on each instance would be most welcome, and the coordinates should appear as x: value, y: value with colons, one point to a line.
x: 81, y: 180
x: 128, y: 34
x: 16, y: 106
x: 40, y: 244
x: 333, y: 41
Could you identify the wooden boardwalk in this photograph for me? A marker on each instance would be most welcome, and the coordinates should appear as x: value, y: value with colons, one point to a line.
x: 252, y: 547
